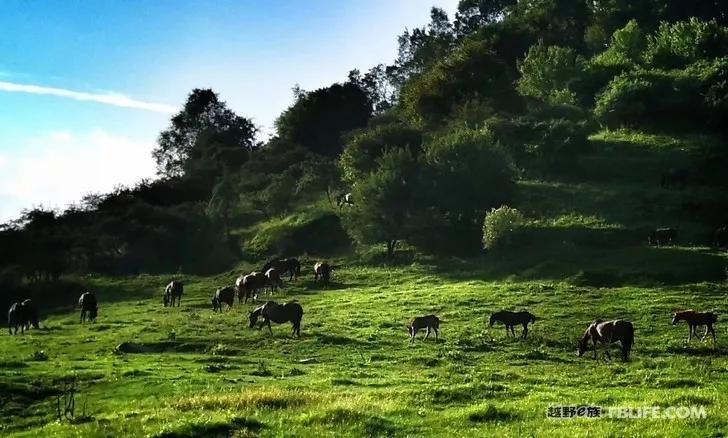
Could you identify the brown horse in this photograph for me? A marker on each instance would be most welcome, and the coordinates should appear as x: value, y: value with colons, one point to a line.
x: 279, y: 313
x: 285, y: 266
x: 273, y: 279
x: 694, y: 319
x: 510, y: 319
x: 172, y: 293
x: 89, y: 306
x: 607, y: 333
x: 323, y: 270
x: 429, y: 322
x: 248, y: 286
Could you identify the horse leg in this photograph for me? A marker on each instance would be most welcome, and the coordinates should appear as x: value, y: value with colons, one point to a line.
x: 507, y: 332
x: 269, y: 329
x: 690, y: 332
x: 594, y: 341
x: 707, y: 329
x: 513, y: 331
x: 436, y: 335
x: 712, y: 332
x: 525, y: 330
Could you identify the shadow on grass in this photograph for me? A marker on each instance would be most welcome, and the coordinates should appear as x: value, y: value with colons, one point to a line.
x: 589, y: 257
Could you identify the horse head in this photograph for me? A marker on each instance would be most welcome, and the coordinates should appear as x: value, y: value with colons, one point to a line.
x: 583, y: 343
x: 675, y: 319
x: 493, y: 319
x: 253, y: 318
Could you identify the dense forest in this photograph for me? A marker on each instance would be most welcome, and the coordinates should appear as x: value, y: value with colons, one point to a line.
x: 411, y: 154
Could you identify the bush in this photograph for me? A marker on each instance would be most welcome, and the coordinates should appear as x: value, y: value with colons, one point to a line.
x: 669, y: 98
x: 362, y: 152
x: 472, y: 70
x: 538, y: 143
x: 499, y: 226
x: 676, y: 45
x: 547, y: 71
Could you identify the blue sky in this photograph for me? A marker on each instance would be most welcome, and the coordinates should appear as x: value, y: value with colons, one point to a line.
x: 85, y: 87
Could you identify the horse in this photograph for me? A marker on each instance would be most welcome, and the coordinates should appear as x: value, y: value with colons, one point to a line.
x: 16, y: 318
x: 89, y: 306
x: 674, y: 177
x: 31, y: 314
x: 606, y: 333
x: 720, y: 237
x: 662, y: 236
x: 345, y: 199
x: 510, y: 319
x: 429, y: 322
x: 285, y: 266
x: 224, y: 295
x: 279, y: 313
x: 323, y: 270
x: 694, y: 319
x: 173, y: 292
x: 273, y: 279
x: 247, y: 286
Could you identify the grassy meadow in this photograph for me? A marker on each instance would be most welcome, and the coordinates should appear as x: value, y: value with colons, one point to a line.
x: 145, y: 370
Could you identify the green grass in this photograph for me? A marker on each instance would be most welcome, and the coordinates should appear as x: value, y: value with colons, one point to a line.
x: 145, y: 370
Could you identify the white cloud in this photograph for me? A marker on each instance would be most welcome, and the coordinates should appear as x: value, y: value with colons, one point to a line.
x: 58, y: 168
x: 114, y: 99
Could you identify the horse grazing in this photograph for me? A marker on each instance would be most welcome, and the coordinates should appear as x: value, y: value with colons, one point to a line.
x: 607, y: 333
x: 694, y: 319
x: 510, y: 319
x: 173, y: 292
x: 31, y: 314
x: 720, y: 237
x: 247, y: 286
x: 273, y: 280
x: 224, y: 295
x: 674, y: 177
x: 285, y: 266
x: 279, y: 313
x: 323, y: 270
x: 22, y: 315
x: 662, y: 236
x: 89, y: 306
x: 429, y: 322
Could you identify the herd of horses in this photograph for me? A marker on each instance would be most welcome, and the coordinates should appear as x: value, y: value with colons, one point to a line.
x: 23, y: 315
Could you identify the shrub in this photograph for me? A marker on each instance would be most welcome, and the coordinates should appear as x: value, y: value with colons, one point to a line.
x: 676, y: 45
x: 499, y: 226
x: 547, y: 71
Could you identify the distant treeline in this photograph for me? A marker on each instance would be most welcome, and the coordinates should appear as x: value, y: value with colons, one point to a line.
x: 424, y: 146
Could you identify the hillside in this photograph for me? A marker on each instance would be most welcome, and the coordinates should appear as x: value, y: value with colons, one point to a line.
x: 191, y: 372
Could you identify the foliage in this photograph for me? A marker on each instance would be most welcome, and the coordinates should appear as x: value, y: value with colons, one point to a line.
x: 205, y: 136
x: 675, y: 45
x: 471, y: 70
x: 386, y: 207
x: 366, y: 147
x: 499, y: 226
x: 547, y: 73
x: 318, y: 118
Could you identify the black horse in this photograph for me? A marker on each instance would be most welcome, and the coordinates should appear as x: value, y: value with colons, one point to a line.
x: 279, y: 313
x: 224, y: 295
x: 662, y: 236
x: 322, y: 270
x: 510, y: 319
x: 172, y: 293
x: 89, y: 306
x: 289, y: 266
x: 31, y: 314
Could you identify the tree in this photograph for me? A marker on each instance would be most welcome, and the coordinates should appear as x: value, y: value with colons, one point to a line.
x: 222, y: 200
x: 547, y: 73
x: 366, y: 147
x: 205, y: 134
x: 474, y: 14
x: 386, y: 207
x: 422, y: 47
x: 319, y: 174
x: 317, y: 119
